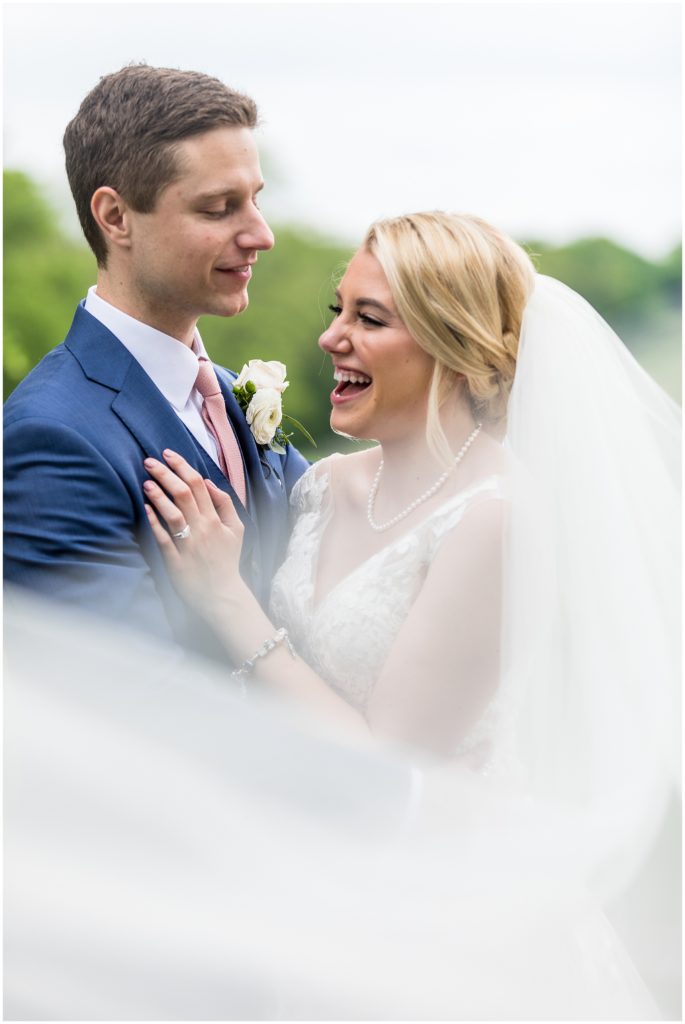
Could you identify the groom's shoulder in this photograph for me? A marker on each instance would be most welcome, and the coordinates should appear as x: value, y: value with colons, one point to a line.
x: 46, y: 388
x: 67, y: 383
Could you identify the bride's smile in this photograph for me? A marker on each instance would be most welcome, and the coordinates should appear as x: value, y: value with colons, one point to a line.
x: 351, y: 383
x: 383, y: 376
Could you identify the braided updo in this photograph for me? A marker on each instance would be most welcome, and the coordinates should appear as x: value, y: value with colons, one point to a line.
x: 460, y: 287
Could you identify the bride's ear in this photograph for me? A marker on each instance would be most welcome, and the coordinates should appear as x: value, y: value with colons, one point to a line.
x: 110, y: 213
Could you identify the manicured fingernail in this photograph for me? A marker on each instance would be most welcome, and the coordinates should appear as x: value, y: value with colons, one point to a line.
x: 168, y: 454
x: 148, y: 509
x: 148, y: 485
x: 149, y: 462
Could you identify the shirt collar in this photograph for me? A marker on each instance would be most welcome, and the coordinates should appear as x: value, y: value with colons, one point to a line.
x: 170, y: 364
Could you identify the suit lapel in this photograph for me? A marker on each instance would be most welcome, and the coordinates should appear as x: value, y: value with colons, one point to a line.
x: 139, y: 404
x: 255, y: 468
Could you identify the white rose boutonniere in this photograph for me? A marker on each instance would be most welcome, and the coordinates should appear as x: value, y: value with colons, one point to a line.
x: 264, y: 414
x: 258, y: 389
x: 263, y: 375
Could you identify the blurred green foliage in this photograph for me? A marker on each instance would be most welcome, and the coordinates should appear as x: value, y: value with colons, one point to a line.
x: 46, y: 274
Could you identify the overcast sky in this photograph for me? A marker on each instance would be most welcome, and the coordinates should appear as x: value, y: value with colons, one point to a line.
x: 551, y: 120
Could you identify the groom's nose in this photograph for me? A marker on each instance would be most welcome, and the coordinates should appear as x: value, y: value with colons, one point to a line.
x: 256, y: 234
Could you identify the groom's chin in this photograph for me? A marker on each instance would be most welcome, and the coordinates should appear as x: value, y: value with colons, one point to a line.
x: 231, y: 307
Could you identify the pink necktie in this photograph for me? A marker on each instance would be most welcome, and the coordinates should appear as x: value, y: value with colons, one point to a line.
x: 217, y: 422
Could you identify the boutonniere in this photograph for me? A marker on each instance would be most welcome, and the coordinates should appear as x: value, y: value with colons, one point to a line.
x: 259, y: 390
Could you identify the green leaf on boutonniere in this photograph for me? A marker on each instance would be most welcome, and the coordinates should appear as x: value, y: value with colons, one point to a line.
x: 296, y: 423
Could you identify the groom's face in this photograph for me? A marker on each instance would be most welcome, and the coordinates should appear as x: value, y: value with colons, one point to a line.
x: 193, y: 254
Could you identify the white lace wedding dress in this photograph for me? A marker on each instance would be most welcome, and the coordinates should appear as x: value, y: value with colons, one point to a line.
x: 346, y: 634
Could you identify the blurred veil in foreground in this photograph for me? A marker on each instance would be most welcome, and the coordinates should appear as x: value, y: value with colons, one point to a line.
x: 174, y: 852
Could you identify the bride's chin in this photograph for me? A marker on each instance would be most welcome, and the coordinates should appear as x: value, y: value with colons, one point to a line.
x: 345, y: 433
x: 344, y: 425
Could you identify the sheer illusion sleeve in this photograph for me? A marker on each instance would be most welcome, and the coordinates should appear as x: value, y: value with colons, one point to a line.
x: 409, y: 637
x: 443, y: 669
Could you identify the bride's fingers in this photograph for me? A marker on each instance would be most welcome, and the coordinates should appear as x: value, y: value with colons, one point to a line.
x: 174, y: 518
x: 190, y: 477
x: 182, y: 494
x: 224, y: 507
x: 166, y: 544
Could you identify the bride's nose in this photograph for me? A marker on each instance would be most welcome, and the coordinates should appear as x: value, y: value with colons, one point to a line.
x: 334, y: 338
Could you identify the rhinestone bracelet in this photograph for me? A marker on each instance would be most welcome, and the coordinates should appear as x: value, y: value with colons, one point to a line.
x: 280, y: 637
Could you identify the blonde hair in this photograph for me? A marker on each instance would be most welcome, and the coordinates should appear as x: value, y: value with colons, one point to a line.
x: 460, y: 287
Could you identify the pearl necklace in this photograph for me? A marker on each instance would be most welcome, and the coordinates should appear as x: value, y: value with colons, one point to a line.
x: 379, y: 527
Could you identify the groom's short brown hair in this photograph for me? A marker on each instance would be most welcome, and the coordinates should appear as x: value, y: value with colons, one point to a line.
x: 125, y: 131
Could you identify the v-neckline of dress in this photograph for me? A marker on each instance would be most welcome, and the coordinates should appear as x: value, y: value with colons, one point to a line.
x: 317, y: 601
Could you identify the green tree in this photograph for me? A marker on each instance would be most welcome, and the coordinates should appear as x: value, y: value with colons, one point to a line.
x: 44, y: 276
x: 617, y: 282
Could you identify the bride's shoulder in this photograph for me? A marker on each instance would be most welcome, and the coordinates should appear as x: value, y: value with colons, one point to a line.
x: 346, y: 473
x: 351, y: 476
x: 340, y: 475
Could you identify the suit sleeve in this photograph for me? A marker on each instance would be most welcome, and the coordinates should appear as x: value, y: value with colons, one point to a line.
x: 70, y: 526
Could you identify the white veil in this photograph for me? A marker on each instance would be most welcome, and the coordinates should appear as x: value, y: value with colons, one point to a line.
x: 172, y: 852
x: 592, y: 606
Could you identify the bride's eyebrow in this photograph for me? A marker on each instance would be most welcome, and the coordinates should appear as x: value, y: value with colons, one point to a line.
x: 368, y: 302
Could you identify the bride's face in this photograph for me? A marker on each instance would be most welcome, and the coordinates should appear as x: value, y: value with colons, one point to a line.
x: 383, y: 375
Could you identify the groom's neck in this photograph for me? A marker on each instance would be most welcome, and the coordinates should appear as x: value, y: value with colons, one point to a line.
x: 120, y: 293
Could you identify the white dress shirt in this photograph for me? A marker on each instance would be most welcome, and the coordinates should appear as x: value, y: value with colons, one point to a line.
x: 171, y: 365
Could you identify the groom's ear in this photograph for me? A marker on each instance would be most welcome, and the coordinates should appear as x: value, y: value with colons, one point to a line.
x: 109, y: 212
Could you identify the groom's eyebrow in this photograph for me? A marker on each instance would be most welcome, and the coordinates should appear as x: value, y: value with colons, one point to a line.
x: 225, y: 193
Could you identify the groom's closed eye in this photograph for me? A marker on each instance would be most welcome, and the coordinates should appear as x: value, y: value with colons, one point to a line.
x: 230, y: 199
x: 226, y: 212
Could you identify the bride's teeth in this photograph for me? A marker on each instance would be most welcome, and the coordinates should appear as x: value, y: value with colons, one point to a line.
x: 352, y: 378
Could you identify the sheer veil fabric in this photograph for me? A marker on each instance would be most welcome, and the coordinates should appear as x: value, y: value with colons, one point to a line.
x: 592, y: 602
x: 174, y: 852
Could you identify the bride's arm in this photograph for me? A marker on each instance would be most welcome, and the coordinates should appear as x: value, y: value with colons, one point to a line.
x: 444, y: 664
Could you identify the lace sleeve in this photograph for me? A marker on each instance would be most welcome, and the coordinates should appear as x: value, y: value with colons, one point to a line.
x: 308, y: 493
x: 292, y: 587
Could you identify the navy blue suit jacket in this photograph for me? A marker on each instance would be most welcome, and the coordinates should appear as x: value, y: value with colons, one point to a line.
x: 76, y: 432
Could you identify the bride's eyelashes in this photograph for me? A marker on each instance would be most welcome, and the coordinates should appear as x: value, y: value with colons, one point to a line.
x: 369, y: 321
